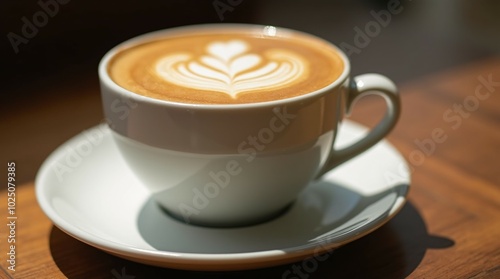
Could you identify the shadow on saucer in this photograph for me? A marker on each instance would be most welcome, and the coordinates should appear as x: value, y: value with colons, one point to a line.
x: 326, y: 213
x: 394, y: 250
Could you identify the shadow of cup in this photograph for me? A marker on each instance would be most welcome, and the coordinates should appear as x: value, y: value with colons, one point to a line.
x: 394, y: 250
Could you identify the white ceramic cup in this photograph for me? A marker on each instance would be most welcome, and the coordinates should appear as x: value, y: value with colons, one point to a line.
x: 236, y: 164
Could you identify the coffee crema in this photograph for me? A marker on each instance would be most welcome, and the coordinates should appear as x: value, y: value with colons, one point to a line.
x: 228, y: 66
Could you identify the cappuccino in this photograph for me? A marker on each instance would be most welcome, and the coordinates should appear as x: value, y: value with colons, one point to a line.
x: 227, y: 66
x: 229, y: 123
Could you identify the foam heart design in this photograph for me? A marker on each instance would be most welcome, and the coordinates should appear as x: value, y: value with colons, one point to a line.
x: 227, y: 51
x: 228, y: 68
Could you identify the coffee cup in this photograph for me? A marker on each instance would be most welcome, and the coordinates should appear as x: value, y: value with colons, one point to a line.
x: 226, y: 124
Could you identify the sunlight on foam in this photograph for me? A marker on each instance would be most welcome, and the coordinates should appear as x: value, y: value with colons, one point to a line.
x: 270, y: 31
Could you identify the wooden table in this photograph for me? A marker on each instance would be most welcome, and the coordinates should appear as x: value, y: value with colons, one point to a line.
x: 450, y: 228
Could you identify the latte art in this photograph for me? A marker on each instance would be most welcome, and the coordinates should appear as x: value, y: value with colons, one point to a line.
x: 228, y: 67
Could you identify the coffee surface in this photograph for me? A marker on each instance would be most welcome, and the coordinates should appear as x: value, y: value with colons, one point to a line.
x: 226, y: 67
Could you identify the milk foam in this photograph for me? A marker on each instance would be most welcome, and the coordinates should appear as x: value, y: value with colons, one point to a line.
x: 231, y: 67
x: 226, y: 66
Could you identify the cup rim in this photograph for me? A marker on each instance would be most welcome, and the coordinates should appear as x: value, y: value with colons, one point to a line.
x: 257, y: 28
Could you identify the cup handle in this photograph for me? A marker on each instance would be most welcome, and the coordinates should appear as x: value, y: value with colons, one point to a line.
x: 360, y: 86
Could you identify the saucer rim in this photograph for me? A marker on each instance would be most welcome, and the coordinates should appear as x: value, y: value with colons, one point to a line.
x: 204, y: 261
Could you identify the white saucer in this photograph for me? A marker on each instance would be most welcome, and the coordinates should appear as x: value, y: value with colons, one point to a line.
x: 87, y: 191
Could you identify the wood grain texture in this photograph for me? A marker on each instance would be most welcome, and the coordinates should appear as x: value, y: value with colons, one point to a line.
x: 448, y: 229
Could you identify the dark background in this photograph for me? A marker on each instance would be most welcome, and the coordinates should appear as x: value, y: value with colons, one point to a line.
x: 50, y: 86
